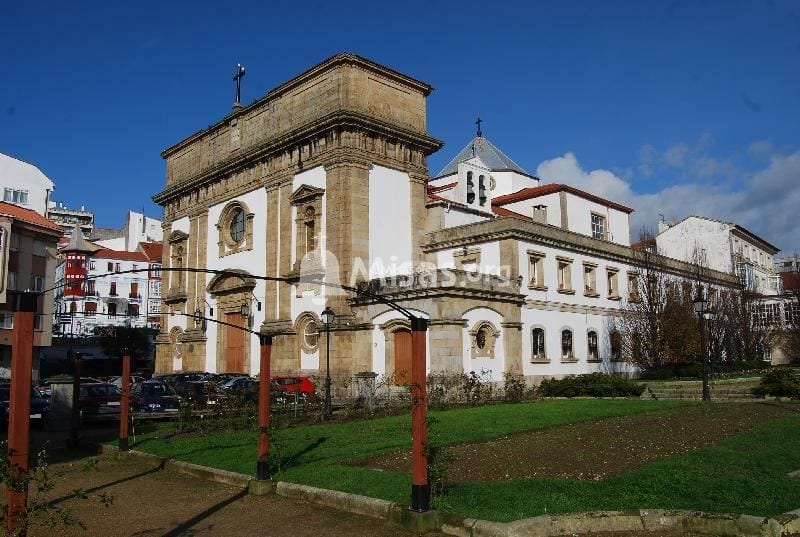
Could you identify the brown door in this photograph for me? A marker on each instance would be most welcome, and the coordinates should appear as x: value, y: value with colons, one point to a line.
x: 402, y: 357
x: 235, y: 339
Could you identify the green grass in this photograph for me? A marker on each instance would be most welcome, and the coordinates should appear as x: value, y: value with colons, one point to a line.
x: 745, y: 474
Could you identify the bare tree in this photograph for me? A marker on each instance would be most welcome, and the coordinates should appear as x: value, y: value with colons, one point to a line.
x: 791, y: 306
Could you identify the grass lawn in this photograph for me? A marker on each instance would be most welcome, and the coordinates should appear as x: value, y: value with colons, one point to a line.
x: 744, y: 473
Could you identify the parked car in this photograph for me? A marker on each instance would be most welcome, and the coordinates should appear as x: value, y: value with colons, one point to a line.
x: 295, y: 384
x: 237, y: 383
x: 221, y: 378
x: 39, y: 404
x: 154, y: 396
x: 201, y: 394
x: 47, y: 392
x: 177, y: 378
x: 117, y: 381
x: 100, y: 400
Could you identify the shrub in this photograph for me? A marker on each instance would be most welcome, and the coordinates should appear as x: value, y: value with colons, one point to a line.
x: 779, y: 382
x: 692, y: 370
x: 592, y: 385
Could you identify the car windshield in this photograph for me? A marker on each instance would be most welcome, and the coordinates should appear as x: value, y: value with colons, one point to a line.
x: 101, y: 390
x: 157, y: 389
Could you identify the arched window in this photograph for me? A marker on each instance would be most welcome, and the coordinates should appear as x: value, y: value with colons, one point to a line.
x: 591, y: 341
x: 236, y: 225
x: 235, y: 228
x: 308, y: 332
x: 484, y: 336
x: 566, y: 345
x: 616, y: 345
x: 175, y: 342
x: 482, y: 190
x: 537, y: 345
x: 73, y: 307
x: 470, y: 189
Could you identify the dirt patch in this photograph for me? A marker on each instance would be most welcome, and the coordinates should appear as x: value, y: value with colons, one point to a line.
x: 599, y: 449
x: 132, y: 497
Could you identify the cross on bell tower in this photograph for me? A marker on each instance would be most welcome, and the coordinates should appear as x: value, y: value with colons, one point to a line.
x: 238, y: 78
x: 478, y: 123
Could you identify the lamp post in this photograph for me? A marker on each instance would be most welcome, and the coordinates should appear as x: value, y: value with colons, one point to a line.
x: 701, y: 308
x: 327, y: 317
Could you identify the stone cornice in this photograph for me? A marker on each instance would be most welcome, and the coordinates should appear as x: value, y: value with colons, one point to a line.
x: 336, y: 120
x: 524, y: 230
x: 331, y: 63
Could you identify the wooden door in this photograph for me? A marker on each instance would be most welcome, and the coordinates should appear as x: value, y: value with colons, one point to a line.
x: 402, y: 357
x: 235, y: 343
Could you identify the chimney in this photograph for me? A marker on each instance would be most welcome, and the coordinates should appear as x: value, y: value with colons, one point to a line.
x: 662, y: 224
x: 539, y: 214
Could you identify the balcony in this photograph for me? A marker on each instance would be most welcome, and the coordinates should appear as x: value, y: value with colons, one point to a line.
x: 134, y: 297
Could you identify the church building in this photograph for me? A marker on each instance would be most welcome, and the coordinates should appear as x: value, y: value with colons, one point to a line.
x: 324, y: 181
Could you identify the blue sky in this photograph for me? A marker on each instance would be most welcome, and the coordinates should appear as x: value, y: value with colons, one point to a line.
x: 671, y: 107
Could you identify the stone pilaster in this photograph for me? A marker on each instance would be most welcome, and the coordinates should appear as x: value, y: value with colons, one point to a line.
x: 512, y: 345
x: 419, y: 218
x: 347, y: 222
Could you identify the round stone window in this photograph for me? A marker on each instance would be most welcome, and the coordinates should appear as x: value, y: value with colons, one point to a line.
x: 310, y: 335
x: 236, y: 226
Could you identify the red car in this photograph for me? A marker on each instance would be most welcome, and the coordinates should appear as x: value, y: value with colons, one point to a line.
x: 298, y: 384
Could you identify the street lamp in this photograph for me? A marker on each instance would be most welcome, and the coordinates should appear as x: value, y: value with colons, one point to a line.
x: 701, y: 308
x: 327, y: 317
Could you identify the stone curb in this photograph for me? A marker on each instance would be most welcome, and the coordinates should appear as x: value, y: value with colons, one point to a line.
x: 643, y: 520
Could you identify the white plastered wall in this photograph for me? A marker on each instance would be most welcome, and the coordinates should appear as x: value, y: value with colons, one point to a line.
x: 389, y: 223
x: 252, y: 261
x: 308, y: 302
x: 492, y: 368
x: 698, y: 234
x: 551, y: 201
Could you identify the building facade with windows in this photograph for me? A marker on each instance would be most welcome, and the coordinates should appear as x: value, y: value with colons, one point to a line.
x: 723, y: 246
x: 97, y: 288
x: 24, y: 184
x: 323, y: 181
x: 28, y: 244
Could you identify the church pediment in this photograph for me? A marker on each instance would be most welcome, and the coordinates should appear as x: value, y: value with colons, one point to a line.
x: 232, y: 281
x: 178, y: 236
x: 306, y: 193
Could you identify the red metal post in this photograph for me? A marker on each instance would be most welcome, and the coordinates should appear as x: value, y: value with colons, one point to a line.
x: 124, y: 401
x: 420, y: 488
x: 24, y: 306
x: 264, y: 378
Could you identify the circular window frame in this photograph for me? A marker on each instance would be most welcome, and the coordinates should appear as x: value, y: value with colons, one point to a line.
x: 236, y: 214
x: 302, y: 333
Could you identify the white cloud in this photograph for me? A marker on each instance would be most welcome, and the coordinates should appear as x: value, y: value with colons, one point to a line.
x: 675, y: 156
x: 767, y: 204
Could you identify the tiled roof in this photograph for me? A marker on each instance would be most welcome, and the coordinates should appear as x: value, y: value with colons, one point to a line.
x: 441, y: 188
x: 531, y: 193
x: 489, y: 154
x: 26, y: 215
x: 107, y: 253
x: 153, y: 250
